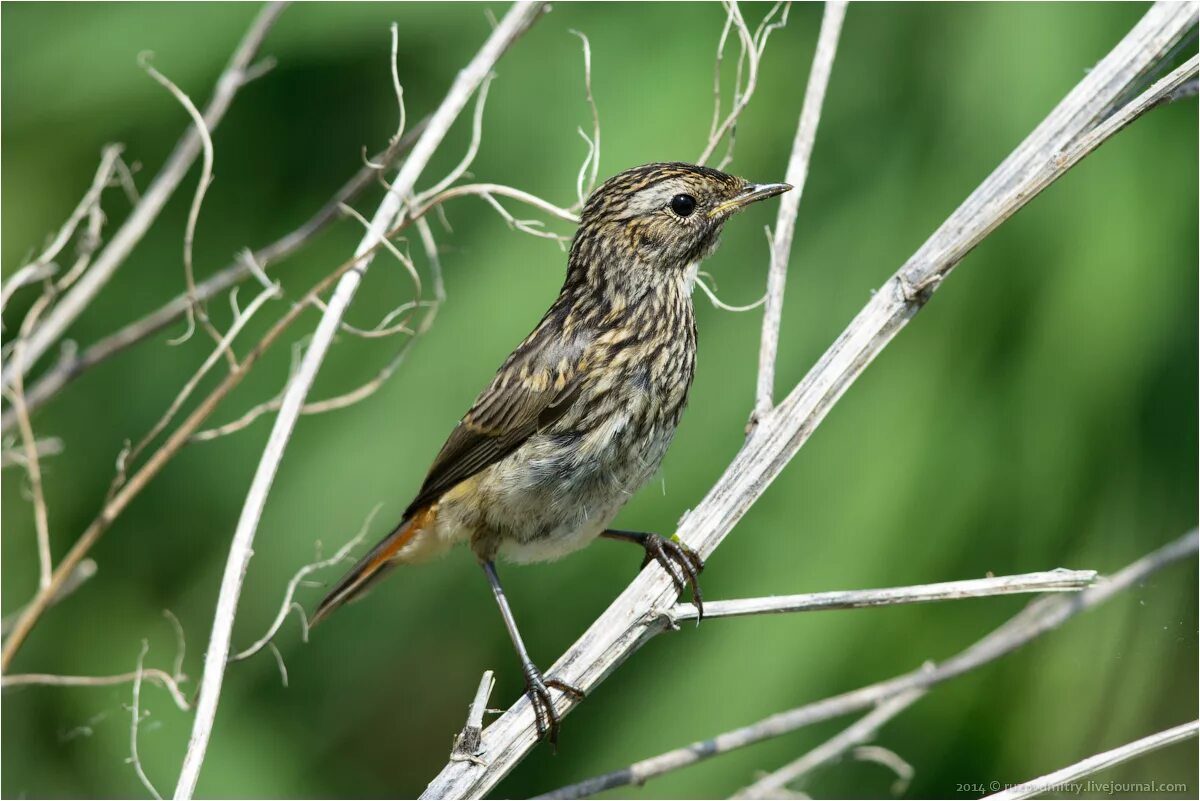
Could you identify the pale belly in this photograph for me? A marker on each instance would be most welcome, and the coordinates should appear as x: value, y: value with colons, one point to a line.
x: 553, y: 495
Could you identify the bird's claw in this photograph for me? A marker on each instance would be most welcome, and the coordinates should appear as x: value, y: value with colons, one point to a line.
x: 682, y: 564
x: 544, y: 714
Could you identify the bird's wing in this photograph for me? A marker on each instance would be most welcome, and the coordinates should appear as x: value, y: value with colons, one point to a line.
x: 536, y: 386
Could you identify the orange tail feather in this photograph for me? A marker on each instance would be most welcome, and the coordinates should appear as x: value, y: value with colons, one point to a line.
x: 375, y: 565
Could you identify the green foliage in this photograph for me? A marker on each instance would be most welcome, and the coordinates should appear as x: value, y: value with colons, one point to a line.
x: 1041, y: 411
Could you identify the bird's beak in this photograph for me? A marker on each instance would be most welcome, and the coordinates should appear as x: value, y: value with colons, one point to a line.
x: 752, y: 193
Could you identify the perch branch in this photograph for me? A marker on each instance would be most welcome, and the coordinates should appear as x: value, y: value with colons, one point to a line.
x: 789, y: 204
x: 1037, y: 618
x: 1052, y: 782
x: 515, y: 22
x: 634, y: 617
x: 151, y: 202
x: 1059, y: 580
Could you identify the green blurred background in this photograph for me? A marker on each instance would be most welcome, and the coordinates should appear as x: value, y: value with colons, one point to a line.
x: 1040, y: 412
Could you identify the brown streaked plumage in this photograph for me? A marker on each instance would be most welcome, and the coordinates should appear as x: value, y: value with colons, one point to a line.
x: 580, y: 415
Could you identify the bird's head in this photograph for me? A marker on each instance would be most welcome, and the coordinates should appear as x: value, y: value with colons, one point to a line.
x: 659, y: 219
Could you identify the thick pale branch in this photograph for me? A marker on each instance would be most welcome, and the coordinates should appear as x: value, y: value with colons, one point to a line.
x: 635, y: 615
x: 1046, y: 581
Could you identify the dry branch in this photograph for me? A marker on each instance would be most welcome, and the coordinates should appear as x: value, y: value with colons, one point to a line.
x: 518, y: 19
x: 1061, y: 779
x: 789, y: 203
x: 1059, y: 580
x: 774, y: 784
x: 635, y: 615
x: 1041, y: 616
x: 151, y: 203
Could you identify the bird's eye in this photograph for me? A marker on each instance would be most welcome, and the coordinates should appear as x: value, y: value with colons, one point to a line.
x: 683, y: 205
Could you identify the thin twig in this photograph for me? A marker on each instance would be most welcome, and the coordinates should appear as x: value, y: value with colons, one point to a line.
x: 136, y: 712
x: 789, y: 204
x: 472, y: 148
x: 483, y: 190
x: 774, y: 784
x: 42, y: 265
x: 1061, y: 780
x: 335, y: 403
x: 152, y: 201
x: 589, y: 170
x: 82, y: 572
x: 72, y: 366
x: 752, y: 48
x: 161, y: 677
x: 633, y: 617
x: 1059, y: 580
x: 224, y: 346
x: 195, y: 307
x: 1037, y: 618
x: 33, y: 465
x: 339, y: 556
x: 468, y: 80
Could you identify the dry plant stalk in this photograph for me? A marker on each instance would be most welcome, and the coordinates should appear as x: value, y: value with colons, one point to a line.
x: 1116, y: 756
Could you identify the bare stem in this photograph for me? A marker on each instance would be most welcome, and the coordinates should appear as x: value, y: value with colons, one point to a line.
x: 1052, y: 782
x: 195, y: 307
x: 136, y: 713
x: 861, y: 731
x: 41, y: 266
x: 789, y: 204
x: 1059, y: 580
x: 167, y: 681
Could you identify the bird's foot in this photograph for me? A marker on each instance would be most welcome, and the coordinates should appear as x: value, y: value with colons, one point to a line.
x: 544, y: 714
x: 681, y: 563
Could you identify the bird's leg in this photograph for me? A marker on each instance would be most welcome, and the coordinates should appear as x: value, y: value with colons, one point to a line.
x: 536, y: 687
x: 682, y: 564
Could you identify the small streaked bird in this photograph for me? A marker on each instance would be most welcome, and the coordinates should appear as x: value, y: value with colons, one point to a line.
x: 580, y: 415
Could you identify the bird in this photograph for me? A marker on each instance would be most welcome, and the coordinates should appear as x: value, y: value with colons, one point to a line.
x: 581, y: 413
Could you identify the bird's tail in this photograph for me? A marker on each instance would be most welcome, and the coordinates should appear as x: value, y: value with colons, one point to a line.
x: 376, y: 564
